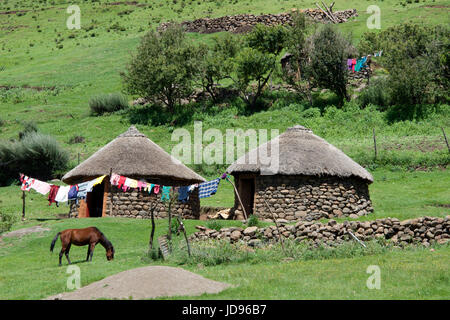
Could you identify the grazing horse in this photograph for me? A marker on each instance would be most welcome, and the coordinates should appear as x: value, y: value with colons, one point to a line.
x: 81, y: 237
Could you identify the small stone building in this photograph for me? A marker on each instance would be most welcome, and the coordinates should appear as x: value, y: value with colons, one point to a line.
x: 135, y: 156
x: 306, y: 179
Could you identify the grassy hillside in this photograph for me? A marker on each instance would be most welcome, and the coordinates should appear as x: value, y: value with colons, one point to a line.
x: 48, y: 74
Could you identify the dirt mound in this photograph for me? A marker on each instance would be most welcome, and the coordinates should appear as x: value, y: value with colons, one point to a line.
x: 24, y: 231
x: 145, y: 283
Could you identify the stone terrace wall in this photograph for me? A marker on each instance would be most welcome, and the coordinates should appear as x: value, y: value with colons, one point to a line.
x: 309, y: 198
x: 244, y: 22
x: 424, y: 230
x: 135, y: 204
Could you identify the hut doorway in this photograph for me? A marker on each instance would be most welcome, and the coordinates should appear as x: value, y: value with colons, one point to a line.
x: 94, y: 201
x: 247, y: 193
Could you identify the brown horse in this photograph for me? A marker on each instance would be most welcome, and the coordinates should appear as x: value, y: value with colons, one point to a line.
x: 81, y: 237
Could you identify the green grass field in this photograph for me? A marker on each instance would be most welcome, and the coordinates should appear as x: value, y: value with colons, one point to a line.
x: 30, y: 271
x: 68, y: 67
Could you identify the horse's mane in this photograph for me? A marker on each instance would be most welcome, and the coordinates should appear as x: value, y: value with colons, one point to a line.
x: 105, y: 240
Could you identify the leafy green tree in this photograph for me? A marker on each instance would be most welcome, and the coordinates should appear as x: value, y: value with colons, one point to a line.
x: 328, y: 52
x: 256, y: 62
x: 214, y: 64
x: 163, y: 67
x: 297, y: 74
x: 252, y: 71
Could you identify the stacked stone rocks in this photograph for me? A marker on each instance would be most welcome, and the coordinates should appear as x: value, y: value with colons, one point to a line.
x: 308, y: 198
x: 244, y: 22
x: 423, y: 230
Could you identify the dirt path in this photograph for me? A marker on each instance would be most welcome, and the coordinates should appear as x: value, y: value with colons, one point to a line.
x: 145, y: 283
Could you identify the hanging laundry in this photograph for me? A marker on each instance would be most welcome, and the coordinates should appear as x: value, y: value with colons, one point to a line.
x: 98, y: 180
x: 82, y: 190
x: 121, y: 183
x: 353, y: 64
x: 27, y: 183
x: 63, y: 194
x: 156, y: 188
x: 114, y: 179
x: 183, y: 194
x: 207, y: 189
x: 150, y: 187
x: 52, y: 194
x: 349, y: 64
x: 131, y: 183
x: 192, y: 187
x: 165, y: 194
x: 141, y: 185
x: 358, y: 65
x: 73, y: 192
x: 41, y: 187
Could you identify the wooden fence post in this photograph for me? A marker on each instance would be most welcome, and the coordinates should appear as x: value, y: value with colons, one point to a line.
x: 375, y: 143
x: 23, y: 205
x: 445, y: 137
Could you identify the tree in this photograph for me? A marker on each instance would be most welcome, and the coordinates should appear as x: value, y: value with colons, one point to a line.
x: 297, y: 74
x: 215, y: 63
x: 252, y: 66
x: 163, y: 67
x: 255, y: 63
x: 328, y: 52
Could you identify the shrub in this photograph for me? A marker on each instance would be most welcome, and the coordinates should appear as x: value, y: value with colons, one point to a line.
x: 37, y: 155
x: 103, y: 103
x: 6, y: 222
x: 253, y: 221
x: 214, y: 224
x: 28, y: 127
x: 377, y: 93
x: 417, y: 57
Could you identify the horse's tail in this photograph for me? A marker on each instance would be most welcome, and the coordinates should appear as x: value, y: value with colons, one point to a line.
x: 52, y: 245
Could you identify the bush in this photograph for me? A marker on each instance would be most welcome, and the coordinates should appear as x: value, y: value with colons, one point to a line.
x: 417, y: 57
x: 377, y: 93
x: 103, y: 103
x: 214, y: 224
x: 253, y: 221
x: 28, y: 127
x: 6, y: 222
x: 37, y: 155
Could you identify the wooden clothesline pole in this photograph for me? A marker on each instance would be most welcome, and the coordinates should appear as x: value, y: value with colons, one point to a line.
x: 237, y: 195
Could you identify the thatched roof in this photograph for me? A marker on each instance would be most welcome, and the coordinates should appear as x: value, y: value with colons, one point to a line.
x: 300, y: 153
x: 132, y: 154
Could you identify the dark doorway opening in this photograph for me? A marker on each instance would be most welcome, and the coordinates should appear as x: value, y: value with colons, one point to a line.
x: 247, y: 193
x: 94, y: 201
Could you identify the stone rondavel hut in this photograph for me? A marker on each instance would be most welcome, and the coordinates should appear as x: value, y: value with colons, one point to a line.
x: 311, y: 180
x: 135, y: 156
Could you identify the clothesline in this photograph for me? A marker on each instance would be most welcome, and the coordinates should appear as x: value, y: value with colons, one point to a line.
x: 356, y: 65
x: 62, y: 194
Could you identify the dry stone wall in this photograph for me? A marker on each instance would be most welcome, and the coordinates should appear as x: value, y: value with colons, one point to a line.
x: 423, y: 230
x: 244, y: 22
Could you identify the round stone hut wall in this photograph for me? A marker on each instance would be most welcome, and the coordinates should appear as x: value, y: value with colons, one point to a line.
x: 137, y: 204
x: 307, y: 198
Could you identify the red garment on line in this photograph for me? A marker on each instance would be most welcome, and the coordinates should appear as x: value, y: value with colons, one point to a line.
x: 52, y: 194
